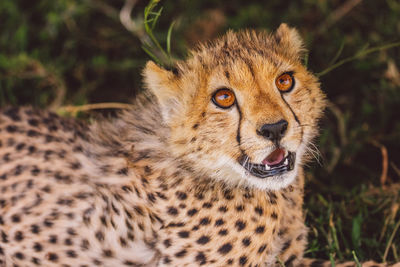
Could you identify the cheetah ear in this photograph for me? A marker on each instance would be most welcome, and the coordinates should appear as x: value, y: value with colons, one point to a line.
x: 289, y: 42
x: 163, y: 84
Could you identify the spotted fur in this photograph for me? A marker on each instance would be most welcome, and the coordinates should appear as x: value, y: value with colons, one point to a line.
x: 161, y: 185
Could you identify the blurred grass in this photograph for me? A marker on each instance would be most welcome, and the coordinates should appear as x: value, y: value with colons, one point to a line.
x: 71, y: 52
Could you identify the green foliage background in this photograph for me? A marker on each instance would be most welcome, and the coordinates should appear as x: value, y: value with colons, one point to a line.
x: 73, y: 52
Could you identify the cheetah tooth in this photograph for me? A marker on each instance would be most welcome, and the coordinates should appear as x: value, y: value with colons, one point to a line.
x: 286, y: 162
x: 267, y: 167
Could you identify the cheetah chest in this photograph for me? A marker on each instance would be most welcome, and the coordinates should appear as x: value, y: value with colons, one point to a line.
x: 220, y: 227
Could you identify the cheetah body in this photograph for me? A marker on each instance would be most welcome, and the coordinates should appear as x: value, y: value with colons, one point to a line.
x: 161, y: 184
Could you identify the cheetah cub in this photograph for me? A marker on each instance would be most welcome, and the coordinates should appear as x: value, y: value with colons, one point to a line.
x: 205, y: 169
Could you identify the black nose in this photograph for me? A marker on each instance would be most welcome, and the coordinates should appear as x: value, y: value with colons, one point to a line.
x: 274, y: 131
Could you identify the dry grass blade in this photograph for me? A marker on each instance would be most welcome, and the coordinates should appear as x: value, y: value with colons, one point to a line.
x: 390, y: 241
x: 75, y: 109
x: 338, y: 14
x: 395, y: 168
x: 385, y: 161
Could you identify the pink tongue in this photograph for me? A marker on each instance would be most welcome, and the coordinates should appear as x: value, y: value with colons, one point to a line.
x: 275, y: 157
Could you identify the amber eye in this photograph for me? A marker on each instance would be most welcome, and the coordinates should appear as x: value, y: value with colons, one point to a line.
x: 285, y: 82
x: 224, y: 98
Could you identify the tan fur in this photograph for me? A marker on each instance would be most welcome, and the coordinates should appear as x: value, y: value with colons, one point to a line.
x: 162, y: 184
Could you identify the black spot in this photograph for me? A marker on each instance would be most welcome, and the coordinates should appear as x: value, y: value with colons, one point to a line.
x: 53, y: 239
x: 35, y: 171
x: 4, y: 237
x: 35, y: 261
x: 131, y: 263
x: 31, y: 149
x: 20, y: 146
x: 240, y: 208
x: 6, y: 157
x: 52, y: 257
x: 37, y: 247
x: 167, y: 243
x: 223, y: 232
x: 225, y: 248
x: 11, y: 128
x: 123, y: 171
x: 207, y: 205
x: 76, y: 165
x: 183, y: 234
x: 272, y: 198
x: 274, y: 215
x: 71, y: 231
x: 85, y: 244
x: 48, y: 223
x: 138, y: 209
x: 71, y: 254
x: 260, y: 229
x: 33, y: 122
x: 19, y: 255
x: 181, y: 253
x: 19, y: 236
x: 192, y: 212
x: 242, y: 260
x: 205, y: 221
x: 223, y: 209
x: 99, y: 236
x: 68, y: 242
x: 166, y: 260
x: 151, y: 197
x: 240, y: 225
x: 15, y: 218
x: 286, y: 245
x: 229, y: 262
x: 259, y: 210
x: 228, y: 195
x: 289, y: 262
x: 195, y: 126
x: 32, y: 133
x: 181, y: 195
x: 227, y: 75
x: 201, y: 258
x: 219, y: 222
x: 246, y: 241
x: 172, y: 211
x: 97, y: 262
x: 300, y: 237
x: 199, y: 196
x: 262, y: 248
x: 12, y: 113
x: 203, y: 240
x: 107, y: 253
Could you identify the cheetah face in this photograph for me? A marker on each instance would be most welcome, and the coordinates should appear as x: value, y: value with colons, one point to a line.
x: 242, y: 110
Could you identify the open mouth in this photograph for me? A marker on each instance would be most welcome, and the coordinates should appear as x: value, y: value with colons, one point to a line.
x: 274, y: 164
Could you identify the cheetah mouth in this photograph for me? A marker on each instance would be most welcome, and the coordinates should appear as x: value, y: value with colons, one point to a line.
x: 274, y: 164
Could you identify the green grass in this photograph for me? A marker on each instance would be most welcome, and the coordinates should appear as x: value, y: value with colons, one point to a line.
x: 70, y: 52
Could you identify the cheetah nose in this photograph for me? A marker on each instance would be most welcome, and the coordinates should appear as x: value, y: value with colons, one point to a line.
x: 274, y: 131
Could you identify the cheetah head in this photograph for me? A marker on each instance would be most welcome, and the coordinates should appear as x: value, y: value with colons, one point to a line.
x: 242, y: 109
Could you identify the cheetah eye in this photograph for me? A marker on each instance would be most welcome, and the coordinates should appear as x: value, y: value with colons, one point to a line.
x: 224, y: 98
x: 285, y: 82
